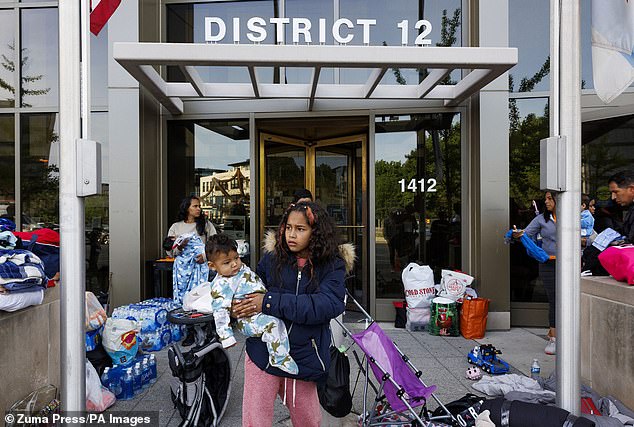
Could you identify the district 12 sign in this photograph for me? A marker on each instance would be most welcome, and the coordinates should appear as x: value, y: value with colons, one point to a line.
x: 302, y: 30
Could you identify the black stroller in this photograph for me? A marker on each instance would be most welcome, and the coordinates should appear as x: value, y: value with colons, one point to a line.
x: 202, y: 376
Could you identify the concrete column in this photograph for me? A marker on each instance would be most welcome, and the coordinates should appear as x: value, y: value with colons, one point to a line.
x: 124, y: 144
x: 490, y: 174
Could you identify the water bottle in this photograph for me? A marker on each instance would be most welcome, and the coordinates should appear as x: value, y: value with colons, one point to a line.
x: 152, y: 364
x: 105, y: 377
x: 128, y: 385
x: 535, y: 370
x: 114, y: 384
x: 145, y: 374
x: 137, y: 378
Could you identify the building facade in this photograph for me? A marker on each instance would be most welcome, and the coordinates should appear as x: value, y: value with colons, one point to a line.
x: 405, y: 181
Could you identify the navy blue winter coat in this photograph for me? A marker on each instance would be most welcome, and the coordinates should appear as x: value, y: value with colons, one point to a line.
x: 307, y: 314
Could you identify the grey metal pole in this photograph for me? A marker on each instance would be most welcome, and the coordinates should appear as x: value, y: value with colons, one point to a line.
x: 71, y: 214
x: 568, y: 210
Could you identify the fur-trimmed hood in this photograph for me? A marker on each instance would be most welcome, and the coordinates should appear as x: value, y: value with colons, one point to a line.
x: 347, y: 251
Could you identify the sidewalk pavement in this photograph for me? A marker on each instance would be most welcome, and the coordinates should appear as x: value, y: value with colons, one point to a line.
x: 443, y: 361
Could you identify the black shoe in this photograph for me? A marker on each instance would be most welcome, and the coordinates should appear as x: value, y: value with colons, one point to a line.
x: 189, y: 340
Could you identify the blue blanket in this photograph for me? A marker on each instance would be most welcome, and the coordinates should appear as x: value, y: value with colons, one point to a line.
x: 21, y: 270
x: 532, y: 249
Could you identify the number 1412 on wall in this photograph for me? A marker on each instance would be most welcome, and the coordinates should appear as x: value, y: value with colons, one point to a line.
x: 418, y: 185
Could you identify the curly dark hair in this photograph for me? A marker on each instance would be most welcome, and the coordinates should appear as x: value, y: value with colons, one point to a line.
x: 220, y: 243
x: 324, y: 240
x: 182, y: 214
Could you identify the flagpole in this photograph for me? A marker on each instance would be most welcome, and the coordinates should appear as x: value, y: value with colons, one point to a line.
x: 71, y: 213
x: 566, y: 92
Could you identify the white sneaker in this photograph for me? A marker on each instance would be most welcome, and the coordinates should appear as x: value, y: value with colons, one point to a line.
x: 551, y: 347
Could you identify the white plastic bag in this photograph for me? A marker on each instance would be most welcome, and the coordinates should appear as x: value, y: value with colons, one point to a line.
x: 417, y: 318
x: 95, y: 314
x: 198, y: 299
x: 98, y: 398
x: 418, y: 281
x: 119, y: 340
x: 453, y: 285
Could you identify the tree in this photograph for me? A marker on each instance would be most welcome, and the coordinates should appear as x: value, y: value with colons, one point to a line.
x: 8, y: 64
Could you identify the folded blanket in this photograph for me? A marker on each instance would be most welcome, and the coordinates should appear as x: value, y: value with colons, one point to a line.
x: 21, y: 270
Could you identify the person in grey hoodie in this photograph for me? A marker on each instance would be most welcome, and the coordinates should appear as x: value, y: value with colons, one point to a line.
x: 545, y: 225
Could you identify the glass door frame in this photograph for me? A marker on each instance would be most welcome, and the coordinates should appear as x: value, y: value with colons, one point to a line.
x: 310, y: 148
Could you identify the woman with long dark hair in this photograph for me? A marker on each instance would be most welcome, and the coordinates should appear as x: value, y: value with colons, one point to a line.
x: 545, y: 225
x: 303, y: 270
x: 190, y: 219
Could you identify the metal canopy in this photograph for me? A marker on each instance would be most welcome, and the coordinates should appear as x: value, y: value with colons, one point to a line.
x: 480, y: 66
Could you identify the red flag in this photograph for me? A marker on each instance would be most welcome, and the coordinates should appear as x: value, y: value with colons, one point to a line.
x: 100, y: 14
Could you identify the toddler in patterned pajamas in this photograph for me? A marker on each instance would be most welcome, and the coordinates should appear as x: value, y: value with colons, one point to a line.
x: 234, y: 281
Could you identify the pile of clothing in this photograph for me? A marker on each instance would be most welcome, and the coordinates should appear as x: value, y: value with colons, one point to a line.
x: 22, y: 273
x: 534, y: 394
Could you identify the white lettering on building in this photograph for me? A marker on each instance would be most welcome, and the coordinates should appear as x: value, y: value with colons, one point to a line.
x: 302, y: 30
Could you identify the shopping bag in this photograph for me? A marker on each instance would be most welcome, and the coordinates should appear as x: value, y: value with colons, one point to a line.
x: 418, y: 281
x: 334, y: 393
x: 444, y: 319
x: 619, y: 262
x: 453, y: 285
x: 98, y: 398
x: 95, y: 314
x: 199, y: 299
x: 119, y: 340
x: 473, y: 317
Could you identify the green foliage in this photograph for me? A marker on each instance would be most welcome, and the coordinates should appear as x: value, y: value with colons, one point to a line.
x: 9, y: 65
x: 421, y: 163
x: 524, y: 157
x: 599, y: 162
x: 448, y: 29
x: 524, y: 137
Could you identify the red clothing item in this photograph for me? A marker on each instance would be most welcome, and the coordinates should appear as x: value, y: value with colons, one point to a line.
x: 44, y: 235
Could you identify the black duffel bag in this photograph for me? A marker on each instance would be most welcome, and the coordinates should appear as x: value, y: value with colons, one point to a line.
x: 334, y: 393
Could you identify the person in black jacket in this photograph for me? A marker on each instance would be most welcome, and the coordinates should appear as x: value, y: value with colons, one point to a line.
x: 303, y: 270
x: 621, y: 186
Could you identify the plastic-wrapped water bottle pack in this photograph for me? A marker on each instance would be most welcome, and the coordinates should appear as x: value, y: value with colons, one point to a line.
x: 156, y: 331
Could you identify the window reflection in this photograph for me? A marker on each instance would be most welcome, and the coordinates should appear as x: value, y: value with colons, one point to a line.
x: 99, y: 68
x: 210, y: 159
x: 418, y: 200
x: 39, y: 57
x: 186, y: 24
x: 97, y: 217
x: 529, y: 31
x: 386, y: 32
x: 7, y: 167
x: 7, y: 58
x: 528, y: 124
x: 39, y: 171
x: 312, y: 10
x: 607, y: 148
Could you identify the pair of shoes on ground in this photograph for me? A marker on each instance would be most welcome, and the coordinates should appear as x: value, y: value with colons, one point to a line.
x: 551, y: 347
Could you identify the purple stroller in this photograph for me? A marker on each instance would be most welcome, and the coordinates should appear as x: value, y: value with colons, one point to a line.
x: 401, y: 396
